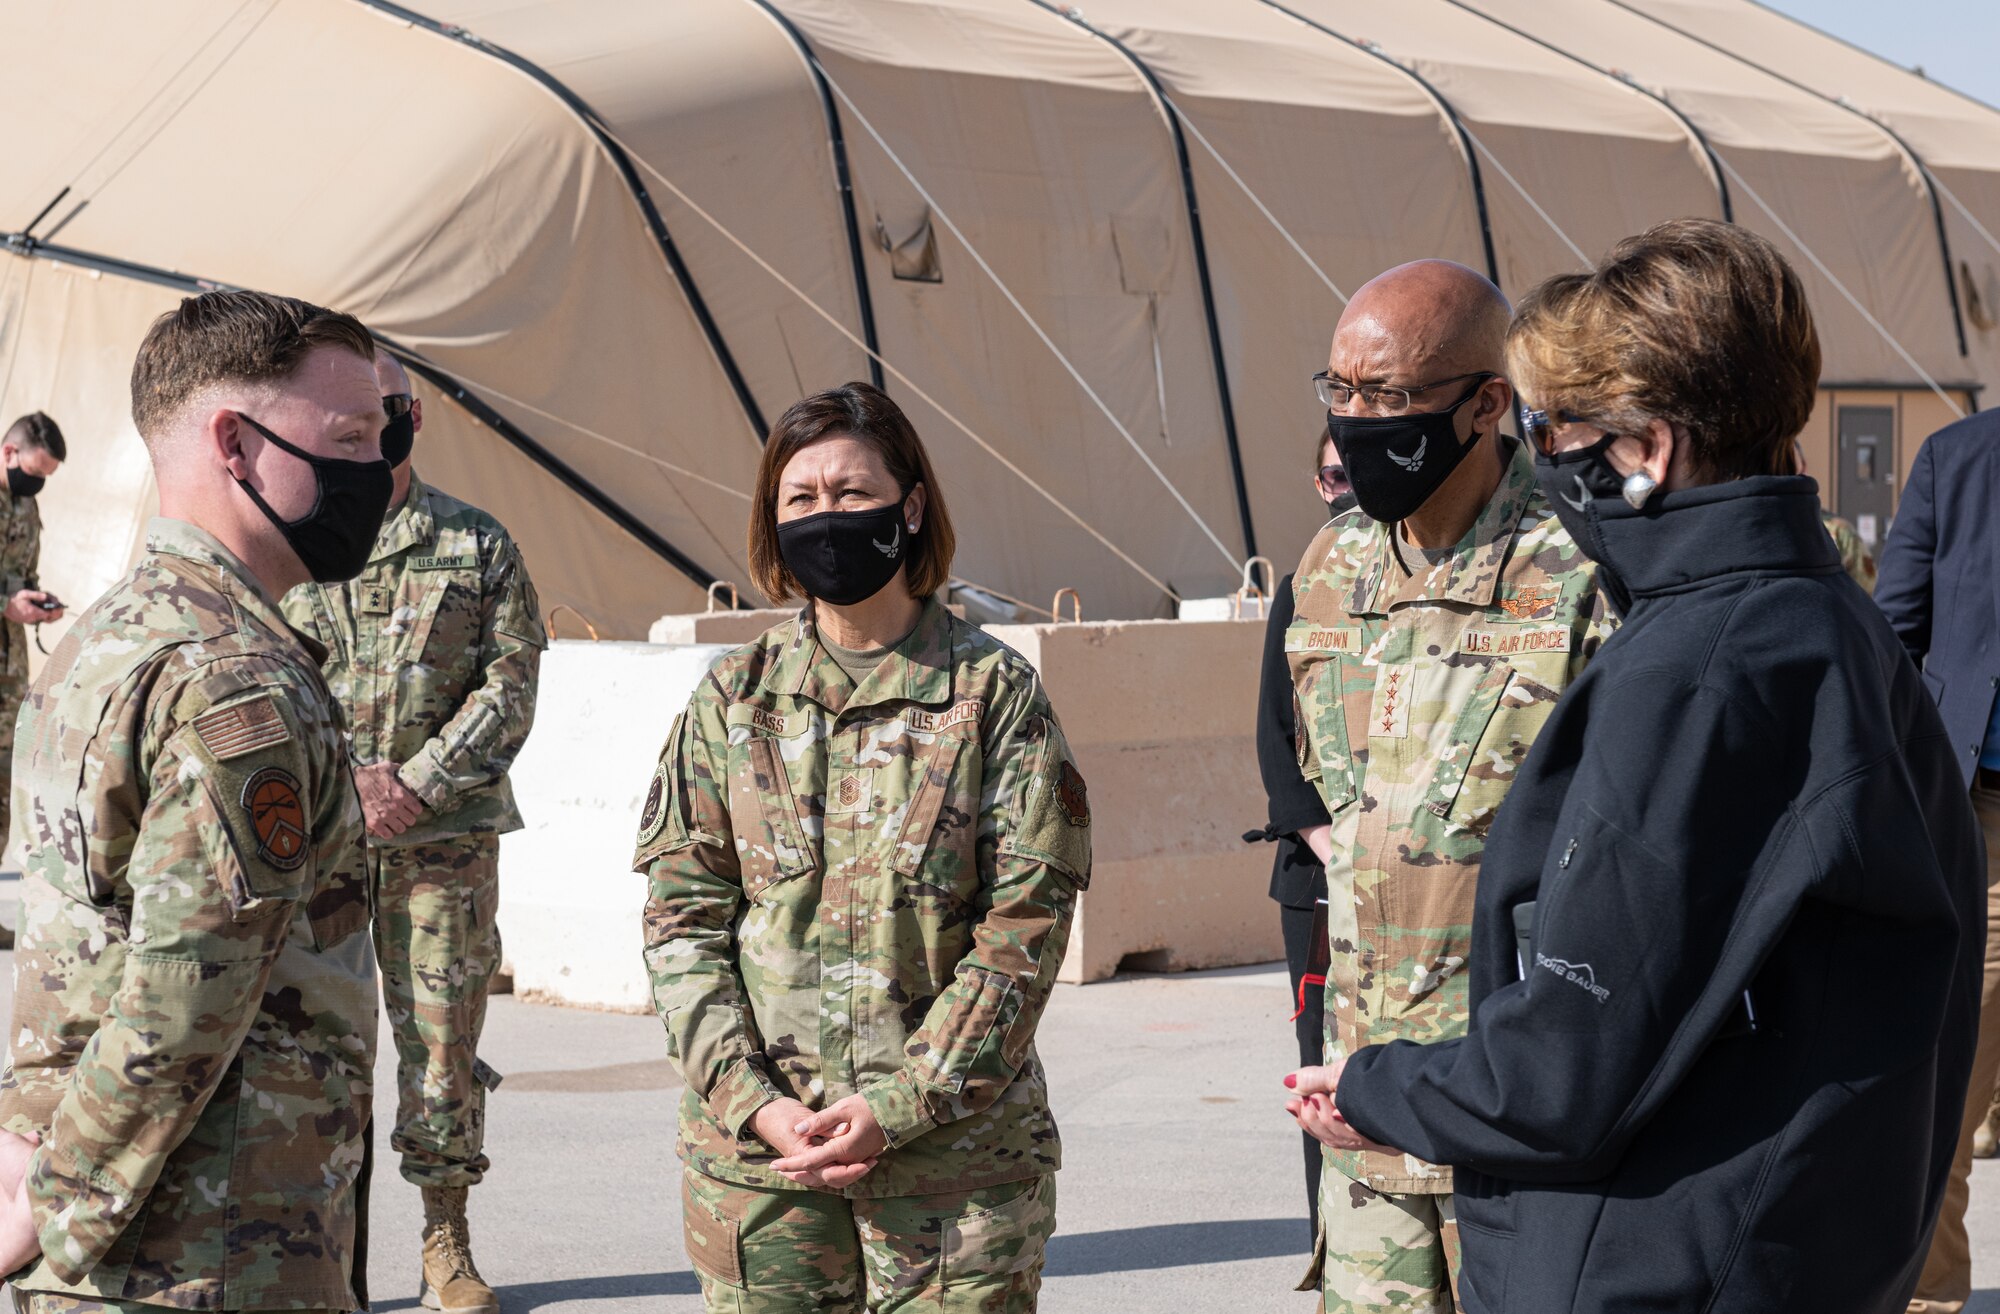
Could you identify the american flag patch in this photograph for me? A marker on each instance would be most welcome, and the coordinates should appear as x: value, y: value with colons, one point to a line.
x: 241, y: 728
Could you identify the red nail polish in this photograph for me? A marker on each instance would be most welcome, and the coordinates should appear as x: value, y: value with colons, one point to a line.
x: 1291, y: 1081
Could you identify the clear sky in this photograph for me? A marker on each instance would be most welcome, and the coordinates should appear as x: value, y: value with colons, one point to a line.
x: 1957, y: 42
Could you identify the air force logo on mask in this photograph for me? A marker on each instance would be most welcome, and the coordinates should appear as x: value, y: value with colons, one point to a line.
x: 1415, y: 460
x: 892, y: 547
x: 1577, y: 974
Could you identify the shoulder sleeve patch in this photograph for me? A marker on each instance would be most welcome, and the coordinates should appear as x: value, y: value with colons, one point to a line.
x: 277, y: 817
x: 1051, y: 817
x: 242, y: 727
x: 661, y: 826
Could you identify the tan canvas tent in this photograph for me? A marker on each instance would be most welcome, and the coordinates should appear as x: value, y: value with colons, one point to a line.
x: 1097, y: 251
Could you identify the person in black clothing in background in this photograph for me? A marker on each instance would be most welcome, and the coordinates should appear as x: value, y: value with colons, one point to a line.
x: 1730, y: 926
x: 1298, y: 882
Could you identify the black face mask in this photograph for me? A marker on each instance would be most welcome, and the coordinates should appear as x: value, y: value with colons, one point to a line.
x: 22, y: 484
x: 333, y: 539
x: 1336, y: 505
x: 1395, y: 462
x: 399, y: 438
x: 845, y: 557
x: 1574, y: 482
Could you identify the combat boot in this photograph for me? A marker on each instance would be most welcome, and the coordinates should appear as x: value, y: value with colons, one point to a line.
x: 1986, y: 1137
x: 451, y: 1283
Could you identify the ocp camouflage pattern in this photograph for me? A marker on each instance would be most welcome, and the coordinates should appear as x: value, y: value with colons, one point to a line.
x: 1420, y: 689
x: 1855, y: 558
x: 865, y: 889
x: 194, y: 1009
x: 762, y: 1251
x: 20, y: 568
x: 434, y: 651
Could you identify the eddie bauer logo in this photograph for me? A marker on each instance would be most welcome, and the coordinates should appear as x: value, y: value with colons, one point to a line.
x: 1575, y: 973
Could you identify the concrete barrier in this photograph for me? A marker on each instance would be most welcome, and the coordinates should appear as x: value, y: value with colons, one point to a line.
x: 1158, y: 713
x: 1160, y: 716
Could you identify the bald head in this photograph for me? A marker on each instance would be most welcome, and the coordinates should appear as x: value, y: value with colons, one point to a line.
x: 1427, y: 320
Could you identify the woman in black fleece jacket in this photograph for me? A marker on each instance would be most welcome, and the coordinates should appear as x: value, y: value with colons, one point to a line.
x: 1727, y: 955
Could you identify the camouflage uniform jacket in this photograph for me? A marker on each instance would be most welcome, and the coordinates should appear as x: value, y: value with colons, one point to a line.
x: 1855, y: 557
x: 865, y: 889
x: 1419, y: 695
x: 20, y: 567
x: 194, y: 1009
x: 434, y: 652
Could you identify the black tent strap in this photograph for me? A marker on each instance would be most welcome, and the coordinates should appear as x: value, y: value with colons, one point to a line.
x: 656, y: 224
x: 843, y: 180
x: 22, y: 245
x: 1216, y: 355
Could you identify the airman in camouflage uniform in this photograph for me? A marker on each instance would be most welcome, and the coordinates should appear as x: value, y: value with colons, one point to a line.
x: 194, y: 1004
x: 433, y: 654
x: 1423, y: 674
x: 866, y: 888
x: 32, y: 449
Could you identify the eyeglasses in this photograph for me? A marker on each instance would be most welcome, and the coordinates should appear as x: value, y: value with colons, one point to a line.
x: 1539, y: 428
x: 1338, y: 394
x: 1332, y: 476
x: 397, y: 404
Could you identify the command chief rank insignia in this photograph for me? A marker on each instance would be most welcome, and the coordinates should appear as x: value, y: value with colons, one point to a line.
x: 271, y: 797
x: 1073, y: 795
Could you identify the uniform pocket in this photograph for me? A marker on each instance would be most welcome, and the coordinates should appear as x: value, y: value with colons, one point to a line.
x: 1496, y: 726
x: 714, y: 1240
x: 446, y: 635
x: 1001, y: 1248
x: 773, y: 848
x: 938, y: 763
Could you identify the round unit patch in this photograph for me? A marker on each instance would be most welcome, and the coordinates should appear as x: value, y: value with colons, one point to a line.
x: 277, y: 817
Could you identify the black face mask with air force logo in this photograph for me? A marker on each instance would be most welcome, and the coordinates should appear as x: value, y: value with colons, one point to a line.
x: 845, y: 557
x: 1395, y: 462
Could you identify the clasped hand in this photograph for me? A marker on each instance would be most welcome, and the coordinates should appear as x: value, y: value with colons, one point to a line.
x: 1312, y: 1105
x: 388, y: 806
x: 834, y: 1148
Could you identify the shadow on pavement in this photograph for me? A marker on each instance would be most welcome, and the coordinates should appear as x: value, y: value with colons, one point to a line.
x: 523, y: 1296
x: 1984, y: 1302
x: 1178, y: 1245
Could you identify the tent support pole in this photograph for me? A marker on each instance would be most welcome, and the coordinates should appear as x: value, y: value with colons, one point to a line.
x: 837, y: 138
x: 21, y: 244
x: 656, y: 224
x: 1221, y: 364
x: 1915, y: 161
x: 1709, y: 160
x: 1445, y: 110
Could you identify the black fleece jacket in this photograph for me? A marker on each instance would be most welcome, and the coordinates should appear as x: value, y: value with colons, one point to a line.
x: 1748, y: 789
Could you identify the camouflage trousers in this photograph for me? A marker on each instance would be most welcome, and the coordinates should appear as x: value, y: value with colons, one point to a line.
x: 438, y: 943
x: 12, y: 691
x: 42, y: 1302
x: 762, y: 1251
x: 1396, y: 1254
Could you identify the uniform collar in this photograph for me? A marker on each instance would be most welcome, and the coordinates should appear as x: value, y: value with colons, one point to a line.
x: 1471, y: 574
x: 917, y: 670
x: 168, y: 537
x: 410, y: 524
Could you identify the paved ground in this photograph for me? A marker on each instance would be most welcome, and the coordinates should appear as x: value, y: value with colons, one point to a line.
x: 1181, y: 1189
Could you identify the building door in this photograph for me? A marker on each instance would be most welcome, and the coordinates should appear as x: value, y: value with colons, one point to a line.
x: 1867, y: 489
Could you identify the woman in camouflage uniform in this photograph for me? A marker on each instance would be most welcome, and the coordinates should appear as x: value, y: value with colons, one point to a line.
x: 864, y: 842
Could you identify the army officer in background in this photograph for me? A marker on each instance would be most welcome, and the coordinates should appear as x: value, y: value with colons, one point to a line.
x: 864, y: 846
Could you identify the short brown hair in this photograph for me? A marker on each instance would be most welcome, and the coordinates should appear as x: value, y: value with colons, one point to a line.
x: 864, y: 412
x: 1696, y: 322
x: 37, y: 430
x: 231, y: 337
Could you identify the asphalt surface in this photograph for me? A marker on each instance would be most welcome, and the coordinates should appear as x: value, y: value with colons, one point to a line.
x: 1181, y: 1187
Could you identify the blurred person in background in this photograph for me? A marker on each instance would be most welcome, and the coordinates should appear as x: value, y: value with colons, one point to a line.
x: 1731, y: 923
x: 1298, y: 881
x: 32, y: 450
x: 1940, y: 589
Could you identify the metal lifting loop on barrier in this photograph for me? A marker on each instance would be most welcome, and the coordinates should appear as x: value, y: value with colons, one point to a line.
x: 550, y: 622
x: 1075, y: 610
x: 735, y: 603
x: 1251, y: 589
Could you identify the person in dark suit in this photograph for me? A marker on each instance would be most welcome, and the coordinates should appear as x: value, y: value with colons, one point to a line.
x: 1940, y: 588
x: 1298, y: 882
